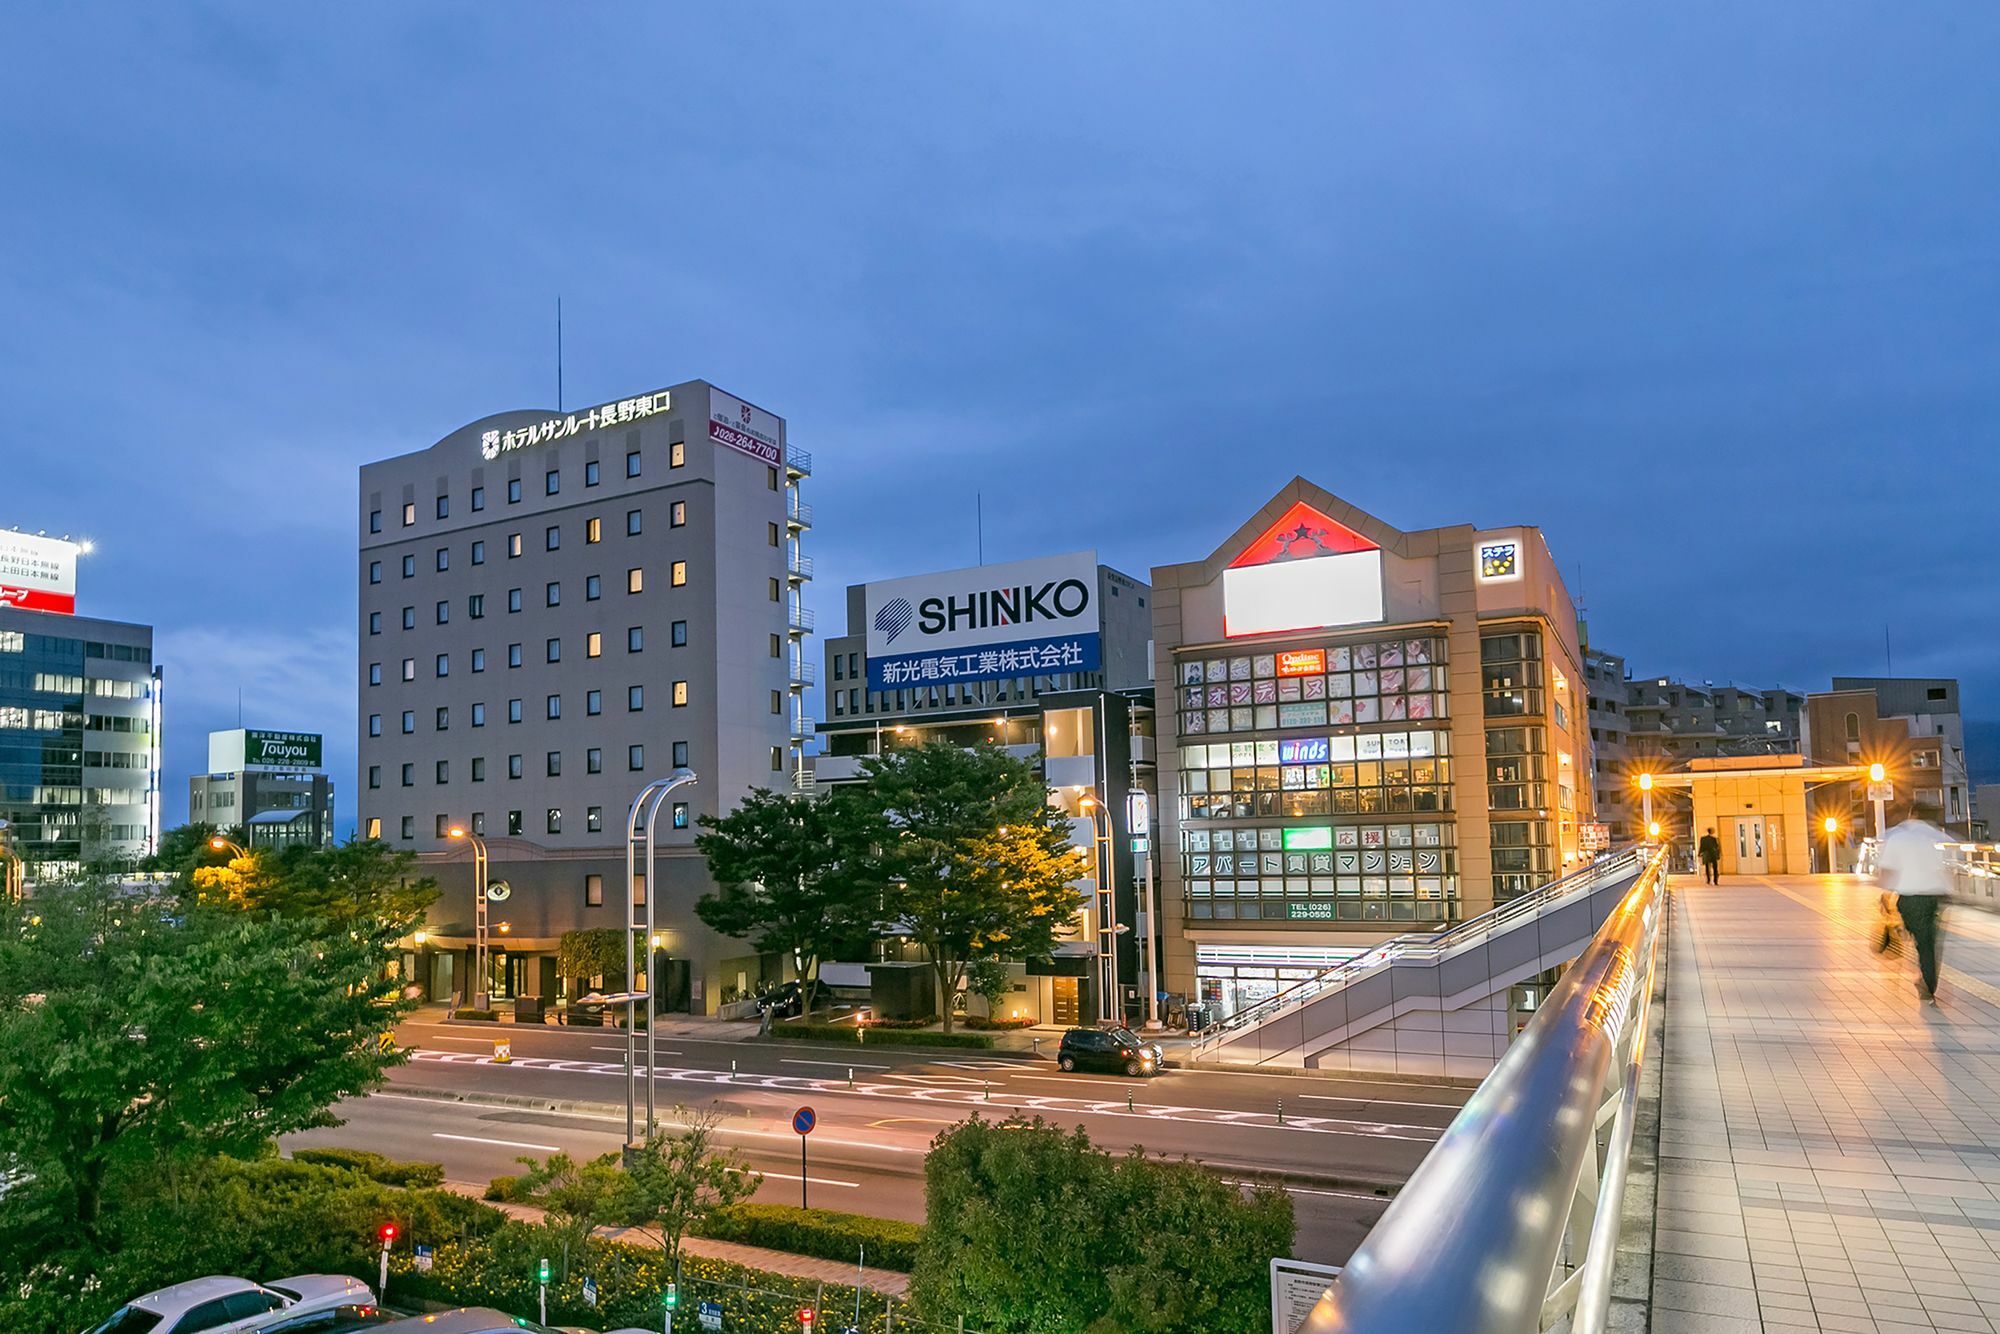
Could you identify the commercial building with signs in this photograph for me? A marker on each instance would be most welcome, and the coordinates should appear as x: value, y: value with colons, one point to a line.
x: 557, y: 609
x: 79, y: 718
x: 1049, y: 659
x: 268, y: 785
x: 1368, y: 730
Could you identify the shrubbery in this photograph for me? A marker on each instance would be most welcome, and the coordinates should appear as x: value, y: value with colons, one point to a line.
x: 375, y: 1166
x: 998, y: 1025
x: 890, y: 1243
x: 478, y: 1016
x: 855, y: 1034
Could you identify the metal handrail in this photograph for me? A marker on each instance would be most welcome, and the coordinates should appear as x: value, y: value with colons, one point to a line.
x: 1416, y: 946
x: 1510, y: 1225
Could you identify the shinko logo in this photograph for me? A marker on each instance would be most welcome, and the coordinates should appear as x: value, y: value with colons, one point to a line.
x: 894, y: 618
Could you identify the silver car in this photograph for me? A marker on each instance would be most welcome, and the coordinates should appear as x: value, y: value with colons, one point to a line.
x: 219, y: 1304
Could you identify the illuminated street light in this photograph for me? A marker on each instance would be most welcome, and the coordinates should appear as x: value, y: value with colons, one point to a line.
x: 1646, y: 805
x: 1653, y: 830
x: 1832, y: 827
x: 224, y: 845
x: 479, y: 968
x: 1878, y: 793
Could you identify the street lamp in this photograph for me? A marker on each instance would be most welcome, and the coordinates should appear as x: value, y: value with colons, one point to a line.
x: 10, y: 887
x: 1107, y: 907
x: 1653, y: 830
x: 1832, y: 827
x: 1878, y: 792
x: 651, y: 797
x: 481, y: 996
x: 236, y: 850
x: 1646, y: 805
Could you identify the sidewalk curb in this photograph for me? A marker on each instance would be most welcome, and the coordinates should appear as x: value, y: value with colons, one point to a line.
x: 1384, y: 1187
x: 1337, y: 1076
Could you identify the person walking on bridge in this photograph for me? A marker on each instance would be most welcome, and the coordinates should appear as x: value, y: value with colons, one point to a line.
x: 1711, y: 858
x: 1911, y: 866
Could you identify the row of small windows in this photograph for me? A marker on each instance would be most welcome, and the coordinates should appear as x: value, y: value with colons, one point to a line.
x: 552, y: 762
x: 551, y: 485
x: 475, y: 603
x: 593, y: 533
x: 593, y: 705
x: 593, y: 821
x: 593, y: 647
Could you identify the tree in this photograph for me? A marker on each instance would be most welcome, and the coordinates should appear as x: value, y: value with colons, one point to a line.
x: 574, y: 1197
x: 595, y: 952
x: 795, y: 873
x: 361, y: 880
x: 679, y: 1177
x: 975, y: 860
x: 1199, y: 1260
x: 146, y: 1032
x: 989, y: 980
x: 185, y: 847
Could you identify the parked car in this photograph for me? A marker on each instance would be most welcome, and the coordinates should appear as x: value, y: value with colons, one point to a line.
x: 465, y: 1320
x: 335, y: 1320
x: 1118, y: 1050
x: 788, y: 999
x: 225, y: 1305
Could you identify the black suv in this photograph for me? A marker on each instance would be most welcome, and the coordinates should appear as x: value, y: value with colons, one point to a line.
x: 1118, y: 1050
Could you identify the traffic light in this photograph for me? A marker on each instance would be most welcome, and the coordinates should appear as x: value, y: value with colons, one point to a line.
x: 671, y: 1298
x: 543, y: 1274
x: 387, y: 1232
x: 806, y: 1317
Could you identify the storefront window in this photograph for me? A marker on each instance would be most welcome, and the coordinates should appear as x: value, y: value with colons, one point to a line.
x: 1384, y: 681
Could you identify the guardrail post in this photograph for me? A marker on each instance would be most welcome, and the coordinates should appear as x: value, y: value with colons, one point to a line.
x: 1281, y: 1111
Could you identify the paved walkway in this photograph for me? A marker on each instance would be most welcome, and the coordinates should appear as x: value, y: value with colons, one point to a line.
x: 1829, y: 1145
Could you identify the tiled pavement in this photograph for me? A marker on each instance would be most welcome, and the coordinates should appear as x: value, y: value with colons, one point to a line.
x: 1829, y: 1145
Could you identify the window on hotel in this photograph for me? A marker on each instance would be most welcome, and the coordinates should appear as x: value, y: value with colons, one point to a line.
x: 1069, y: 733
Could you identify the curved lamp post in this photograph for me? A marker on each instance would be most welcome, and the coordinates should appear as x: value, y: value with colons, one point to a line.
x: 481, y: 996
x: 646, y: 809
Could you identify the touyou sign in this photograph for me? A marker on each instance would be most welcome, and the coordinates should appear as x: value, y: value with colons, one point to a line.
x: 988, y: 623
x: 492, y: 444
x: 37, y: 573
x: 737, y: 425
x: 247, y: 748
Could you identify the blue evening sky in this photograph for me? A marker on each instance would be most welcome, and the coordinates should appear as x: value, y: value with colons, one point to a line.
x: 1707, y: 291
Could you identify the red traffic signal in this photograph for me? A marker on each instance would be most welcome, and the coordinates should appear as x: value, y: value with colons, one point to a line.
x: 387, y: 1232
x: 806, y: 1317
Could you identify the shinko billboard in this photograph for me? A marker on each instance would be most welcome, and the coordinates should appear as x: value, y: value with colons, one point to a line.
x: 37, y: 573
x: 988, y: 623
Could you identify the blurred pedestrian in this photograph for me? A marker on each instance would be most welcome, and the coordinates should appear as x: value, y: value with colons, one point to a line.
x: 1911, y: 866
x: 1711, y: 858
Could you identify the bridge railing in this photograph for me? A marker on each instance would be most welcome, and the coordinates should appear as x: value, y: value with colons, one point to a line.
x: 1974, y: 872
x: 1510, y: 1225
x: 1416, y: 947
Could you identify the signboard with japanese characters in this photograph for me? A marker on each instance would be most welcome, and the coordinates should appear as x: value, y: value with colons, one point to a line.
x: 248, y: 748
x: 1593, y: 838
x: 37, y: 573
x: 1499, y: 558
x: 737, y: 425
x: 989, y: 623
x: 494, y: 443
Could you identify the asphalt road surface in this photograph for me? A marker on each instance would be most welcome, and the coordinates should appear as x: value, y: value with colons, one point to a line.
x: 1338, y: 1146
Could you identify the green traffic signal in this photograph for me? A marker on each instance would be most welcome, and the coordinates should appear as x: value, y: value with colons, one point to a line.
x: 671, y: 1297
x: 545, y: 1270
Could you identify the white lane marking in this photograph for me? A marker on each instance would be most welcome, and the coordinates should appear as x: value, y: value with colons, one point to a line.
x: 1311, y: 1190
x: 982, y: 1065
x: 404, y: 1097
x: 812, y: 1181
x: 1451, y: 1107
x: 952, y: 1081
x: 621, y: 1051
x: 501, y: 1143
x: 838, y: 1065
x: 477, y: 1042
x: 1072, y: 1079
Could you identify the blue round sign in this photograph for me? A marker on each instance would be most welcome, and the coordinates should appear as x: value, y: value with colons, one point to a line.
x: 803, y: 1120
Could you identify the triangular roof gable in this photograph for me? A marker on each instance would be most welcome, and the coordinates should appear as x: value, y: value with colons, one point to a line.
x: 1359, y: 522
x: 1302, y: 534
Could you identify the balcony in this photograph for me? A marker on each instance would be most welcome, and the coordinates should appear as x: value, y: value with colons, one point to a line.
x: 802, y: 726
x: 798, y: 514
x: 798, y: 463
x: 802, y: 674
x: 798, y: 566
x: 800, y: 619
x: 803, y: 779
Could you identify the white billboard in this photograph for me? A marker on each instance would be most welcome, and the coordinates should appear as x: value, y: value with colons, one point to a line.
x: 746, y: 429
x: 986, y: 623
x: 37, y: 573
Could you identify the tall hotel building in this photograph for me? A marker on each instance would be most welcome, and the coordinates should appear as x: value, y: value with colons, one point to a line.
x: 557, y: 609
x: 1362, y: 731
x: 79, y: 721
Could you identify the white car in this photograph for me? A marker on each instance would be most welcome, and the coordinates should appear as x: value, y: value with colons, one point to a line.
x: 232, y: 1305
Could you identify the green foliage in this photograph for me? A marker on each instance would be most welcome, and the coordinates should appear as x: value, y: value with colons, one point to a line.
x: 854, y: 1034
x: 504, y: 1190
x: 375, y: 1166
x: 796, y: 875
x: 998, y: 1025
x: 596, y: 952
x: 976, y: 861
x: 679, y: 1178
x: 888, y: 1243
x: 576, y: 1198
x: 1200, y: 1260
x: 146, y: 1033
x: 477, y: 1016
x: 186, y: 847
x: 991, y: 981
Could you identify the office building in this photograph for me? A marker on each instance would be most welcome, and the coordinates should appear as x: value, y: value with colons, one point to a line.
x: 1912, y: 726
x: 555, y: 610
x: 268, y: 787
x: 1049, y: 659
x: 1368, y: 730
x: 79, y: 718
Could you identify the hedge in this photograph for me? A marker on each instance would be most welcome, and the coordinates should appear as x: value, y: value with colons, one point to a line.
x: 375, y: 1166
x: 889, y: 1243
x: 998, y: 1025
x: 478, y: 1016
x: 852, y: 1035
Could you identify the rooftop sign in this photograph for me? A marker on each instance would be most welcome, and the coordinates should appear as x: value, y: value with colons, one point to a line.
x: 37, y: 573
x: 492, y: 444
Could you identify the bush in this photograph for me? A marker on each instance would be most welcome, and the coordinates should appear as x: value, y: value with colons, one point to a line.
x: 924, y: 1022
x: 504, y: 1190
x: 851, y: 1033
x: 998, y: 1025
x: 824, y: 1233
x: 375, y: 1166
x: 478, y: 1016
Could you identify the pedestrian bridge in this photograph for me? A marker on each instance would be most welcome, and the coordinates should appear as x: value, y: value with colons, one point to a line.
x: 1428, y: 1003
x: 1808, y: 1146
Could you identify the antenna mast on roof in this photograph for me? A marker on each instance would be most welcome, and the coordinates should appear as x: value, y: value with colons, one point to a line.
x: 559, y: 395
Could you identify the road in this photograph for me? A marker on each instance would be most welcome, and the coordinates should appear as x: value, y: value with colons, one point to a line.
x: 1339, y: 1145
